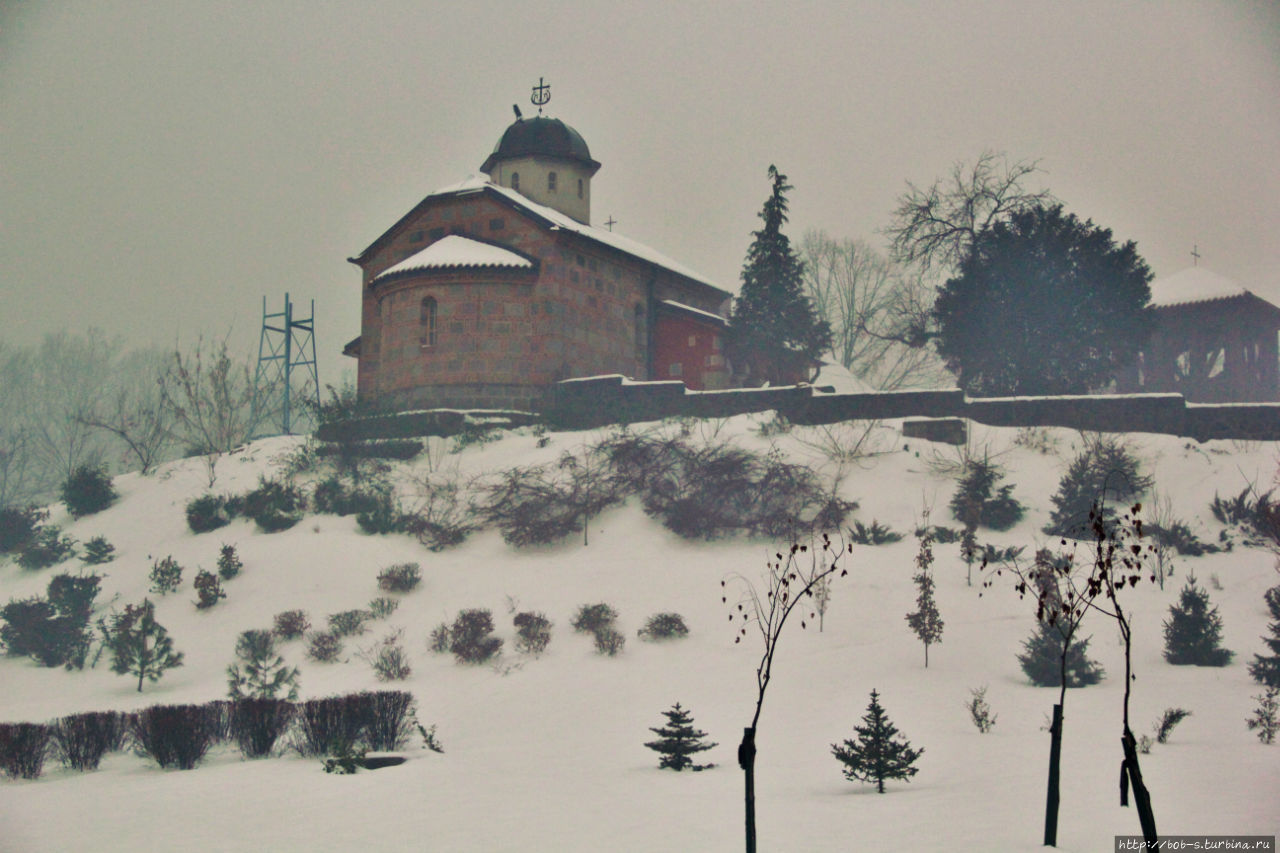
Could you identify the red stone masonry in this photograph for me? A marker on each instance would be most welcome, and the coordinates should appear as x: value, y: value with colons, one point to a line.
x: 502, y: 334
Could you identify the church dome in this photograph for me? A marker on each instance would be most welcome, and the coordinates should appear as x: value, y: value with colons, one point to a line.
x: 541, y: 137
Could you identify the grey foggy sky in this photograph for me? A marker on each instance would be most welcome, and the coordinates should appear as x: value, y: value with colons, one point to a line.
x: 164, y: 165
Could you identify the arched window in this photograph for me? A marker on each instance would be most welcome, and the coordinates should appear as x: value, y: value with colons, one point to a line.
x: 579, y: 187
x: 427, y: 322
x: 515, y: 180
x: 641, y: 333
x: 551, y: 181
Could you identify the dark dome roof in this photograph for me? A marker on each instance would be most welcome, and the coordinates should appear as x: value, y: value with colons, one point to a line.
x: 545, y: 137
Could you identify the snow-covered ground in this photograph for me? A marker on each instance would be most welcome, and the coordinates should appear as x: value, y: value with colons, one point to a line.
x: 547, y: 753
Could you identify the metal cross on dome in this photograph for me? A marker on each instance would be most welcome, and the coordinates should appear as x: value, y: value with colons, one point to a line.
x: 541, y: 94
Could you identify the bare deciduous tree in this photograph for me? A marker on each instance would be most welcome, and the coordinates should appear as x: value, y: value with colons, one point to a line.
x: 877, y: 310
x: 69, y: 375
x: 210, y: 401
x: 134, y: 411
x: 790, y: 580
x: 936, y: 226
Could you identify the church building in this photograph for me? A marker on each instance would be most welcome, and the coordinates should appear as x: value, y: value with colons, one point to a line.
x: 489, y: 291
x: 1214, y: 342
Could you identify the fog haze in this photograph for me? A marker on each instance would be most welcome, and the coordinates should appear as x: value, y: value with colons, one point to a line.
x: 164, y: 166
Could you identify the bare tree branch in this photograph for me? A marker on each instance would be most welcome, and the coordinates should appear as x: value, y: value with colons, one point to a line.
x: 878, y: 312
x: 936, y: 226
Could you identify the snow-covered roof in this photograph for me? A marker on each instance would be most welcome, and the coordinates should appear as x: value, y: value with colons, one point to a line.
x: 680, y: 306
x: 458, y: 251
x: 1193, y: 284
x: 479, y: 183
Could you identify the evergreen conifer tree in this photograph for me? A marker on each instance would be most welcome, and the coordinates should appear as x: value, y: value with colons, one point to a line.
x: 925, y: 622
x: 774, y: 327
x: 140, y: 645
x: 678, y: 740
x: 877, y: 753
x: 1194, y: 629
x: 264, y: 675
x: 1266, y: 670
x: 1041, y: 659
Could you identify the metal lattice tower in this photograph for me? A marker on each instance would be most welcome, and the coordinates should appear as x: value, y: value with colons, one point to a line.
x: 286, y: 374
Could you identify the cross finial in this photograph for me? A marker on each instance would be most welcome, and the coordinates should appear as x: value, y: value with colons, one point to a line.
x: 611, y: 222
x: 1195, y: 254
x: 541, y: 94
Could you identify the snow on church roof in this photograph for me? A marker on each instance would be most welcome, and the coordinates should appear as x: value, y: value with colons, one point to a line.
x: 457, y: 251
x: 479, y: 183
x: 1193, y: 284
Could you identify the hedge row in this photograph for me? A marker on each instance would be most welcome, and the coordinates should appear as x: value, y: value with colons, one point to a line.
x: 181, y: 735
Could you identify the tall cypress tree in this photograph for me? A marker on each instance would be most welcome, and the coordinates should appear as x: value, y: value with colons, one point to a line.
x: 877, y: 753
x: 679, y: 740
x: 774, y: 328
x: 1266, y: 670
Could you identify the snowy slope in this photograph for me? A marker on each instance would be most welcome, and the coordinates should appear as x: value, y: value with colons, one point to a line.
x: 547, y: 754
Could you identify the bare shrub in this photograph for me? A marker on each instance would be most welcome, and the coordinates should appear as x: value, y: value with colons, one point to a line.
x: 609, y: 641
x: 291, y: 624
x: 348, y: 623
x: 177, y: 735
x: 664, y: 626
x: 402, y: 577
x: 80, y: 740
x: 469, y: 637
x: 256, y: 724
x: 388, y: 658
x: 533, y: 632
x: 323, y: 646
x: 23, y: 747
x: 382, y: 607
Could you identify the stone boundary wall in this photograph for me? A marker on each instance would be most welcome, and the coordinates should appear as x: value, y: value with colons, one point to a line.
x: 603, y: 400
x: 585, y: 403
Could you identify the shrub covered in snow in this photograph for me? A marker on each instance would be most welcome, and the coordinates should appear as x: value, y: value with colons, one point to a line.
x: 402, y: 577
x: 87, y: 490
x: 166, y: 575
x: 533, y: 632
x: 98, y: 550
x: 207, y: 512
x: 291, y: 624
x: 469, y: 637
x: 47, y: 547
x: 664, y: 626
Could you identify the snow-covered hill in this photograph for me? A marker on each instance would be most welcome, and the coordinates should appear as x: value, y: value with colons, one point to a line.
x: 547, y: 753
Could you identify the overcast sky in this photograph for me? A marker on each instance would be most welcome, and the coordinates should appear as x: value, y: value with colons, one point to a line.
x: 165, y: 165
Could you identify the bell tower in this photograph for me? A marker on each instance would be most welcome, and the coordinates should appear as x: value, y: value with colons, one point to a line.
x: 545, y: 160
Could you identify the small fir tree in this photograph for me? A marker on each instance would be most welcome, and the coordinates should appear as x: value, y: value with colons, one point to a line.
x: 877, y: 753
x: 679, y: 740
x: 1041, y: 659
x: 139, y: 645
x: 208, y: 589
x: 1266, y: 670
x: 1266, y: 717
x: 774, y: 326
x: 925, y: 622
x: 229, y: 564
x: 166, y: 575
x: 260, y: 673
x: 1193, y: 631
x: 98, y: 550
x: 980, y: 711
